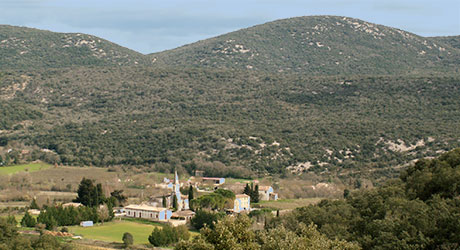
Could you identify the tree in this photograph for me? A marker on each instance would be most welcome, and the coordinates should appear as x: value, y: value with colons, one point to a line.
x: 190, y: 193
x: 203, y: 218
x: 103, y: 213
x: 346, y: 193
x: 118, y: 195
x: 175, y: 204
x: 34, y: 205
x: 128, y: 239
x: 89, y: 194
x: 28, y: 220
x: 247, y: 190
x: 165, y: 236
x: 12, y: 220
x: 164, y: 201
x: 255, y: 194
x: 45, y: 242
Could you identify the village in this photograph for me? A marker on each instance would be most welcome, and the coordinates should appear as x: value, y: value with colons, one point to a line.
x: 175, y: 207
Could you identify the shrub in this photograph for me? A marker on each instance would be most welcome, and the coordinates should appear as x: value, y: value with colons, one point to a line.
x: 128, y: 239
x: 28, y: 220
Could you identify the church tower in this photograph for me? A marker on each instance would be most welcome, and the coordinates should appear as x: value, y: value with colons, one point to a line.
x: 177, y: 191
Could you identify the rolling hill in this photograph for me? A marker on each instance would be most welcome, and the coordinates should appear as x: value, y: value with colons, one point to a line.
x: 330, y: 96
x: 320, y: 45
x: 22, y: 47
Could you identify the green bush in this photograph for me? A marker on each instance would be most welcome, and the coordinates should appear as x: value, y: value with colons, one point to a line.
x: 128, y: 239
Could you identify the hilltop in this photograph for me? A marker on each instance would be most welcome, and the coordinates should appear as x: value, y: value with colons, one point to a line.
x: 320, y: 45
x: 29, y: 48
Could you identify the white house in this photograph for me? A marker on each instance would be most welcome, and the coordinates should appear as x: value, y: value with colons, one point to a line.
x: 148, y: 212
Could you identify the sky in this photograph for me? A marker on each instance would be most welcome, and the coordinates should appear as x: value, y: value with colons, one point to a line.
x: 149, y: 26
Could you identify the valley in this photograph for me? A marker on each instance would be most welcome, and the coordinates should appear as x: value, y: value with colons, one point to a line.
x: 352, y: 125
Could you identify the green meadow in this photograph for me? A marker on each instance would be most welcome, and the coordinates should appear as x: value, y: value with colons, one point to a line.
x: 113, y: 231
x: 31, y: 167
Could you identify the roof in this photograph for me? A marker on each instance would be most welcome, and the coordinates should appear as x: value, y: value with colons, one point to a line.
x: 264, y: 188
x: 239, y: 196
x: 145, y: 208
x: 213, y: 178
x: 183, y: 213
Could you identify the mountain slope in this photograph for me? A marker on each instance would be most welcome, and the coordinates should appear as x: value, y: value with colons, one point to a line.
x: 322, y: 45
x: 32, y: 48
x: 265, y: 122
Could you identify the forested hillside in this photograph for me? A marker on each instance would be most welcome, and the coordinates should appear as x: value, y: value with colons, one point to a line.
x: 419, y: 211
x: 320, y: 45
x: 327, y: 95
x: 268, y: 123
x: 25, y: 48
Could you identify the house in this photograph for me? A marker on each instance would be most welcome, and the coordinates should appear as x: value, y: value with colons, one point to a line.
x: 185, y: 215
x: 242, y: 203
x: 148, y: 212
x: 266, y: 193
x: 213, y: 180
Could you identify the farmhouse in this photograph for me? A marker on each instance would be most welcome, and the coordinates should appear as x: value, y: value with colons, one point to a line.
x: 266, y: 193
x: 241, y: 203
x: 213, y: 180
x: 148, y: 212
x: 185, y: 215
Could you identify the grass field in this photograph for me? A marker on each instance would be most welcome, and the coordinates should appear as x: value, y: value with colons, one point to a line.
x: 31, y: 167
x: 113, y: 231
x: 283, y: 204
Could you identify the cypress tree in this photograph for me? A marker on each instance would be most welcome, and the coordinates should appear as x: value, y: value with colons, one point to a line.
x: 164, y: 201
x: 255, y: 194
x: 190, y: 193
x: 247, y: 190
x: 175, y: 205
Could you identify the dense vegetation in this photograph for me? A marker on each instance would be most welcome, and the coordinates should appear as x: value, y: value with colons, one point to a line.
x: 263, y: 122
x: 168, y: 235
x: 311, y: 102
x: 11, y: 239
x: 26, y: 48
x: 319, y: 45
x: 421, y: 211
x: 236, y: 233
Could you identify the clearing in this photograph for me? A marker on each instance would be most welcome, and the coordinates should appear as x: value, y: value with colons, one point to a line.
x: 31, y: 167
